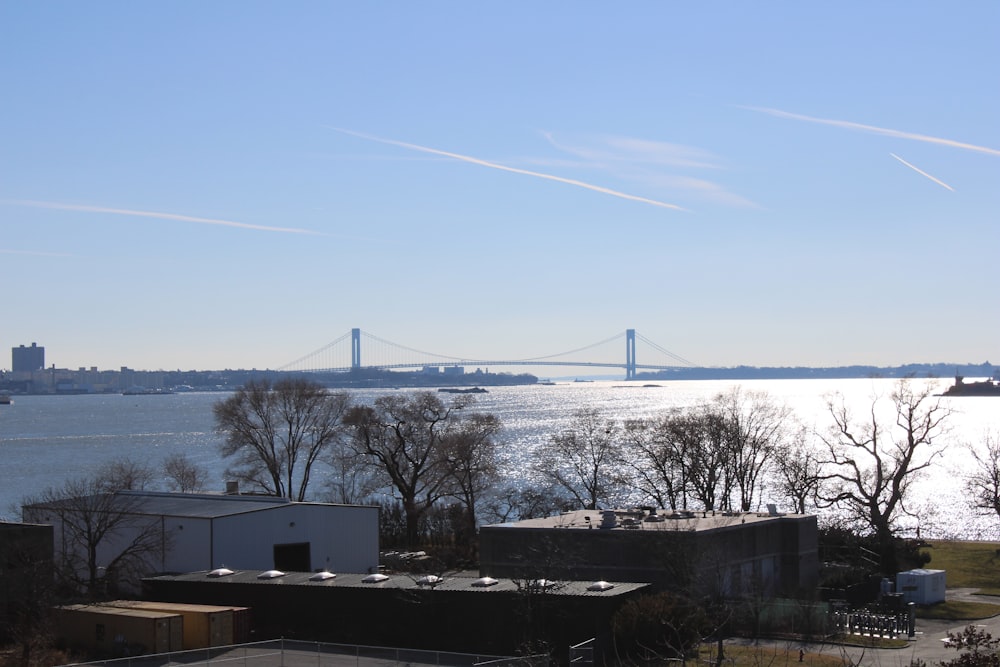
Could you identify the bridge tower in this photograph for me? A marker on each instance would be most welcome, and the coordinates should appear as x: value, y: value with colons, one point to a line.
x: 630, y: 354
x: 355, y: 349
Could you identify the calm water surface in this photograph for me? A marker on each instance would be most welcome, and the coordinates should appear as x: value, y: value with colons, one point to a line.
x: 45, y: 440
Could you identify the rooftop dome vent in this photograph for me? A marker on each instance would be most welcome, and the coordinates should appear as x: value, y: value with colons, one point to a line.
x: 271, y: 574
x: 599, y: 586
x: 220, y: 572
x: 483, y: 582
x: 322, y: 576
x: 375, y: 578
x: 429, y: 580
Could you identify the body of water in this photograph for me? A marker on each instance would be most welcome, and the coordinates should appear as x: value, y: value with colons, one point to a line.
x: 45, y: 440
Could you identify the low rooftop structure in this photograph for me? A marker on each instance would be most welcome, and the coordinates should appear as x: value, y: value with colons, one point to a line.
x: 450, y: 612
x: 732, y: 553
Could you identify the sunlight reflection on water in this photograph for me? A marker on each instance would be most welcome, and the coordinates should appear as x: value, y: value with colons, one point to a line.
x: 46, y: 439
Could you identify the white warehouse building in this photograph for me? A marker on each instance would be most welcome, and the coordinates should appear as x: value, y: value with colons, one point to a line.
x: 208, y: 531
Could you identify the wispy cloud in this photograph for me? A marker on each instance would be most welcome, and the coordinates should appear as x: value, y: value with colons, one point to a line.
x: 35, y: 253
x: 514, y: 170
x: 631, y: 150
x: 898, y: 134
x: 159, y: 215
x: 923, y: 173
x: 653, y: 163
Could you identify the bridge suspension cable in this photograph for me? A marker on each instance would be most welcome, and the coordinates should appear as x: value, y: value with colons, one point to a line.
x: 664, y: 350
x: 410, y: 349
x: 579, y: 349
x: 315, y: 353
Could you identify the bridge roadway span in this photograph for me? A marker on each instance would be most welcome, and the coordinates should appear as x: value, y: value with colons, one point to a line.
x: 629, y: 364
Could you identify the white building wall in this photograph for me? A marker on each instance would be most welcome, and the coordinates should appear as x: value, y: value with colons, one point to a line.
x: 190, y: 544
x: 342, y: 538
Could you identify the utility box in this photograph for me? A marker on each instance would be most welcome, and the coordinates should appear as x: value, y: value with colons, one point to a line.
x: 921, y: 586
x: 204, y: 625
x: 113, y: 631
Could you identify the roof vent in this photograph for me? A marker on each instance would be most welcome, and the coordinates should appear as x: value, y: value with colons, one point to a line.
x: 322, y: 576
x: 220, y: 572
x: 375, y: 578
x: 540, y: 584
x: 483, y: 582
x: 271, y: 574
x: 431, y: 580
x: 600, y: 586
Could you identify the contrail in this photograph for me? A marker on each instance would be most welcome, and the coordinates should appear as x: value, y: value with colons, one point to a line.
x: 494, y: 165
x: 162, y: 216
x: 877, y: 130
x: 923, y: 173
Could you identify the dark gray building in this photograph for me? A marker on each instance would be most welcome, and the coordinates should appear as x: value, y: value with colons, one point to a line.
x: 732, y: 553
x: 457, y: 612
x: 25, y: 573
x: 27, y: 359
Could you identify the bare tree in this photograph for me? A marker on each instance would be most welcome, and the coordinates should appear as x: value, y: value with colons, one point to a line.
x: 983, y: 483
x: 102, y: 539
x: 125, y: 475
x: 700, y: 436
x: 471, y: 453
x: 656, y: 460
x: 351, y: 479
x: 511, y: 503
x: 278, y: 433
x: 798, y: 469
x: 869, y: 466
x: 405, y: 436
x: 755, y: 426
x: 182, y: 474
x: 584, y: 459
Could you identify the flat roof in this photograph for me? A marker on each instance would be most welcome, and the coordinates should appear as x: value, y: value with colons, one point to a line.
x: 645, y: 521
x: 196, y: 505
x: 464, y: 582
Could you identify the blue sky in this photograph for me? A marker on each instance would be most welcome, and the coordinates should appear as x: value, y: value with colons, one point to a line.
x: 201, y: 185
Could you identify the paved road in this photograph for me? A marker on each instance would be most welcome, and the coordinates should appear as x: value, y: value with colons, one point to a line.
x: 927, y: 646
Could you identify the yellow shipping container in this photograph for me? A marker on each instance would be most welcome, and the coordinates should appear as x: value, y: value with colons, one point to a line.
x: 204, y: 625
x: 116, y: 631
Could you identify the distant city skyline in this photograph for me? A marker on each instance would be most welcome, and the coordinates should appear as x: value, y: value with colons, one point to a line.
x: 235, y: 184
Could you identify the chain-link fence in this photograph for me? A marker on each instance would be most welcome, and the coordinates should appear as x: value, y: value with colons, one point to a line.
x: 291, y: 653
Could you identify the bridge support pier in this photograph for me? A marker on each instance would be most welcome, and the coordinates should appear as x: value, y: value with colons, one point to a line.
x: 355, y: 349
x: 630, y: 354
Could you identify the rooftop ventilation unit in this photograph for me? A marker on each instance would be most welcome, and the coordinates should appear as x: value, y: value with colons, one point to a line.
x: 271, y: 574
x: 322, y: 576
x: 431, y: 580
x: 483, y: 582
x: 600, y: 586
x: 220, y: 572
x: 375, y: 578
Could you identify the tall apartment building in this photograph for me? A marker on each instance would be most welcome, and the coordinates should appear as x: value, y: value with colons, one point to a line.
x: 27, y: 359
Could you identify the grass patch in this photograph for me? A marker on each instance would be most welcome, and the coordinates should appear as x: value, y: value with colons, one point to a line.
x: 968, y: 564
x: 958, y: 610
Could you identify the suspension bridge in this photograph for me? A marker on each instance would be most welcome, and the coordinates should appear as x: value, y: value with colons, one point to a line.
x: 344, y: 354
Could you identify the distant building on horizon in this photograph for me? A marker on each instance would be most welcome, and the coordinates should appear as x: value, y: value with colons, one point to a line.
x: 27, y: 359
